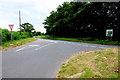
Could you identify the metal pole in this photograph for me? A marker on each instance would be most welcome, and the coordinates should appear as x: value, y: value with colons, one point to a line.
x: 11, y: 35
x: 20, y: 21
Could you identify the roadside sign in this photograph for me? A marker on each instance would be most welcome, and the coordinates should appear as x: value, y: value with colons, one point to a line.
x: 109, y: 32
x: 11, y: 26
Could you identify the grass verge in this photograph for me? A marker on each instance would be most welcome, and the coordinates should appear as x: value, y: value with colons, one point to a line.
x: 15, y: 43
x: 86, y: 40
x: 92, y: 64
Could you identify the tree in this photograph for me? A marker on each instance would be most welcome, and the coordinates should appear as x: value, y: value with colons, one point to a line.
x: 82, y: 19
x: 38, y: 33
x: 27, y: 27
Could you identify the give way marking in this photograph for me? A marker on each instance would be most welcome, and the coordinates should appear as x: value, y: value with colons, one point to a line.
x: 26, y: 47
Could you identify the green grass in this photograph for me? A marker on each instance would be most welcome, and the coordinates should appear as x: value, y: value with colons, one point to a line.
x: 85, y: 40
x: 15, y: 43
x: 93, y: 64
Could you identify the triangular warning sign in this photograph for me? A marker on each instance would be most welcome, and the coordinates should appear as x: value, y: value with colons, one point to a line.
x: 11, y: 26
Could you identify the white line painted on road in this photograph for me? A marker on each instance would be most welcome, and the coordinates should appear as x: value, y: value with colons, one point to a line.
x: 85, y: 45
x: 68, y: 42
x: 72, y: 43
x: 33, y: 45
x: 44, y: 46
x: 21, y: 48
x: 51, y: 41
x: 93, y: 46
x: 64, y: 42
x: 102, y: 47
x: 18, y: 50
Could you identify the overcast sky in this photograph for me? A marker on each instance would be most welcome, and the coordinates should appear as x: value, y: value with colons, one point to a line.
x: 32, y: 11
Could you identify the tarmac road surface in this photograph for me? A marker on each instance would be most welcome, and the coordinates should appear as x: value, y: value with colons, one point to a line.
x: 41, y: 58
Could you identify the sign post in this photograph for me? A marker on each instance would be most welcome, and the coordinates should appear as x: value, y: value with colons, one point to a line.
x: 11, y: 27
x: 109, y: 33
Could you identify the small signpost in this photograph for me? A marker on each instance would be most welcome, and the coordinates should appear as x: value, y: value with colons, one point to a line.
x: 109, y: 33
x: 11, y: 27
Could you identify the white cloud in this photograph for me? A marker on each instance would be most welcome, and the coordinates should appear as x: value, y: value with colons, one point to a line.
x: 32, y: 11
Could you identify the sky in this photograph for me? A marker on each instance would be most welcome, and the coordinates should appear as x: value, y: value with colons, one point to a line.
x: 32, y: 11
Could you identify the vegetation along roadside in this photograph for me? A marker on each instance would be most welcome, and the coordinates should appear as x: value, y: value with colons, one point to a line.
x: 86, y: 40
x: 15, y: 43
x: 18, y: 38
x: 93, y: 64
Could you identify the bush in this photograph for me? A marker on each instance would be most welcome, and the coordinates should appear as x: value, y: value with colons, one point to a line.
x: 0, y: 36
x: 87, y: 39
x: 16, y: 36
x: 24, y: 35
x: 5, y: 35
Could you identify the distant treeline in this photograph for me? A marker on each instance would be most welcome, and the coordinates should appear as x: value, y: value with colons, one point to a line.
x: 82, y: 19
x: 5, y: 35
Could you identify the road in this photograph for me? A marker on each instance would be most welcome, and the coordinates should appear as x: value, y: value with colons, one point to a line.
x: 41, y: 58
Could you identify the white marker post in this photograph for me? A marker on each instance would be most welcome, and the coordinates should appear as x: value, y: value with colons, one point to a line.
x: 11, y: 27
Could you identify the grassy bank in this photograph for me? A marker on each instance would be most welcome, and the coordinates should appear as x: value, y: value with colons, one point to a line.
x: 15, y: 43
x: 86, y: 40
x: 93, y: 64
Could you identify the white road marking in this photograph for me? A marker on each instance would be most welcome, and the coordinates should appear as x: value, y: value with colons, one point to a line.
x: 93, y: 46
x: 21, y: 48
x: 44, y: 46
x: 102, y: 47
x: 64, y: 42
x: 33, y: 45
x: 72, y: 43
x: 68, y: 42
x: 51, y: 41
x: 18, y: 50
x: 85, y: 45
x: 55, y: 42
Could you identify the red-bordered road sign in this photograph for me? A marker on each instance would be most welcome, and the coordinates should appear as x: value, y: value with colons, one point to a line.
x: 11, y: 26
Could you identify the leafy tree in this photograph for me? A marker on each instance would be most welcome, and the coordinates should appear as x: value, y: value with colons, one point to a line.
x: 27, y: 27
x: 36, y: 33
x: 82, y: 19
